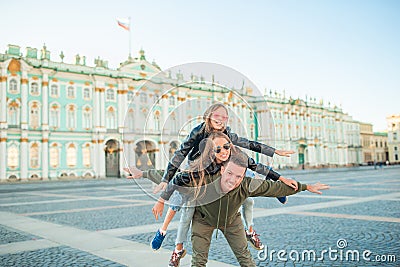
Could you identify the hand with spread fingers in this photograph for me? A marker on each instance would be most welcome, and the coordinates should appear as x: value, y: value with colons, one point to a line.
x: 284, y: 153
x: 134, y: 173
x: 314, y: 188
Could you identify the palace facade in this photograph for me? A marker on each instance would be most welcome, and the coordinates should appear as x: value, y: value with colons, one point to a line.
x: 72, y: 120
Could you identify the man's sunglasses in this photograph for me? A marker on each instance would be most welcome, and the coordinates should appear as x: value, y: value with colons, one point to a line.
x: 226, y: 146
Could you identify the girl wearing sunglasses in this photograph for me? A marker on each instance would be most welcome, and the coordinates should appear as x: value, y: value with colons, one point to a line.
x: 215, y: 150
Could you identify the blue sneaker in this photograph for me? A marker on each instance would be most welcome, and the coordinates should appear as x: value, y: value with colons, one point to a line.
x: 283, y: 200
x: 157, y: 240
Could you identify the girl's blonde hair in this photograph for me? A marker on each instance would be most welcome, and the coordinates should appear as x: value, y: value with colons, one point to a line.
x: 207, y: 157
x: 208, y: 113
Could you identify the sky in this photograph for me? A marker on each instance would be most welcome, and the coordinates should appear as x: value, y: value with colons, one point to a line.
x: 342, y: 51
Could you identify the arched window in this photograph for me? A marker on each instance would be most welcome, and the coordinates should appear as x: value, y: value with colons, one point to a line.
x: 130, y: 120
x: 71, y: 155
x: 157, y: 120
x: 34, y: 115
x: 110, y: 95
x: 172, y: 100
x: 87, y: 118
x: 34, y: 155
x: 13, y: 86
x: 130, y: 95
x: 174, y: 125
x: 54, y: 116
x: 34, y: 88
x: 54, y: 155
x: 143, y: 97
x: 13, y: 113
x: 86, y: 155
x: 71, y: 117
x: 86, y: 93
x: 13, y: 157
x: 54, y: 90
x: 71, y: 92
x: 110, y: 119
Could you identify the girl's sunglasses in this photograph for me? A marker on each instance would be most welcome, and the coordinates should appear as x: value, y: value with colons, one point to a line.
x: 226, y: 146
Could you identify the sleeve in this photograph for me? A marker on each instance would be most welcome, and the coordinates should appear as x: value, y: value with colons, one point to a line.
x: 179, y: 180
x: 251, y: 145
x: 268, y: 188
x: 153, y: 175
x: 263, y: 170
x: 181, y: 153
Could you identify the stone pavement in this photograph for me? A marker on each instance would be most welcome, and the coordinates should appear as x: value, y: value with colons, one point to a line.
x: 109, y: 223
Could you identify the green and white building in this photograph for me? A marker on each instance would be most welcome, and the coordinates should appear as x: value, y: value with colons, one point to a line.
x: 59, y: 119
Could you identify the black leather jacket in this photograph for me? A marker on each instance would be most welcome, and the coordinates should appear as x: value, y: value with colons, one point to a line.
x: 191, y: 147
x: 183, y: 179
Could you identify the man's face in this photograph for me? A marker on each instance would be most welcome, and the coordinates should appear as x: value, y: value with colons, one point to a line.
x: 231, y: 176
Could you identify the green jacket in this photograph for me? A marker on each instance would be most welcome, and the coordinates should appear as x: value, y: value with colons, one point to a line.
x: 220, y: 209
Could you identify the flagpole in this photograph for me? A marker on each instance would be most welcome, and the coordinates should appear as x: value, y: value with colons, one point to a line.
x: 130, y: 39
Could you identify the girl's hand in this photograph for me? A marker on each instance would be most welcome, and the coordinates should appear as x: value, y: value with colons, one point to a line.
x: 158, y: 208
x: 159, y: 187
x: 134, y: 173
x: 284, y: 153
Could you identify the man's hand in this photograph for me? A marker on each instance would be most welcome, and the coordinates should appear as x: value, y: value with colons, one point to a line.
x: 134, y: 173
x: 158, y: 208
x: 284, y: 153
x: 314, y: 188
x: 290, y: 182
x: 159, y: 187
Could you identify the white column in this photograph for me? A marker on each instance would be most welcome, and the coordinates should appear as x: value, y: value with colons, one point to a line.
x: 311, y: 155
x: 45, y: 102
x: 158, y: 159
x: 165, y: 128
x: 121, y: 159
x: 125, y: 156
x: 122, y: 105
x: 137, y: 112
x: 323, y: 137
x: 285, y: 126
x: 96, y: 105
x: 45, y: 156
x: 308, y: 127
x: 3, y: 153
x: 102, y: 108
x: 302, y: 134
x: 245, y: 124
x: 24, y: 101
x: 94, y: 156
x: 101, y: 156
x: 3, y: 99
x: 132, y: 155
x: 24, y: 156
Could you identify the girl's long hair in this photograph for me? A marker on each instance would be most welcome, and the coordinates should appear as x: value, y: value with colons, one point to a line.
x: 208, y: 113
x: 197, y: 169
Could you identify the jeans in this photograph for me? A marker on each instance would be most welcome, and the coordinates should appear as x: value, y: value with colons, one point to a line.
x: 187, y: 215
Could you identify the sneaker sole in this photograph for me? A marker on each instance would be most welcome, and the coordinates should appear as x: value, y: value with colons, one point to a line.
x: 154, y: 248
x: 183, y: 255
x: 256, y: 248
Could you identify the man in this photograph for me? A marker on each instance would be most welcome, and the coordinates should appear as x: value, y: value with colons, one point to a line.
x: 223, y: 214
